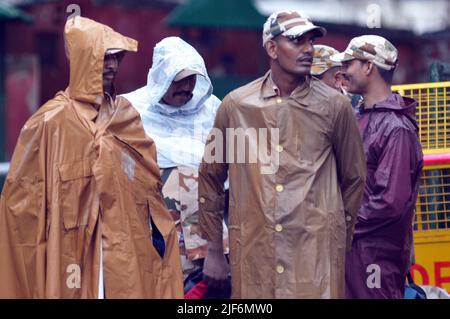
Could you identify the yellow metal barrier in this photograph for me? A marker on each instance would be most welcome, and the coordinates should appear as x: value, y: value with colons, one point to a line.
x: 433, y: 114
x: 432, y: 221
x: 432, y: 228
x: 433, y: 201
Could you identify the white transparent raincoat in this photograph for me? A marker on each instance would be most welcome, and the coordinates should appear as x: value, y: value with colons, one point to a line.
x: 170, y: 126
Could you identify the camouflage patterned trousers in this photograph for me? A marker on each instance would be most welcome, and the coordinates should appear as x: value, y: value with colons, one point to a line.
x: 180, y: 191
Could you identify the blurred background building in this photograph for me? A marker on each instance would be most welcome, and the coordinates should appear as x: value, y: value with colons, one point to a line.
x: 227, y: 33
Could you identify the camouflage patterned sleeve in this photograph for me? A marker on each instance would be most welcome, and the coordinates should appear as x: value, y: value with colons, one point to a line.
x: 212, y: 175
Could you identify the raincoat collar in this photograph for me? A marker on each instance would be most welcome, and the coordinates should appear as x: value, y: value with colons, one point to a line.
x: 269, y: 89
x: 86, y: 42
x: 87, y: 111
x: 394, y: 102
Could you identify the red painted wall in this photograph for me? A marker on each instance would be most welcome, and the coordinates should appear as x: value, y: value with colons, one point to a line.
x: 240, y: 49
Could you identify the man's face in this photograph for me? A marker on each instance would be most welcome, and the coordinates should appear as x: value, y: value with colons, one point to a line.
x: 180, y: 92
x: 355, y: 75
x: 294, y: 55
x: 331, y: 77
x: 110, y: 68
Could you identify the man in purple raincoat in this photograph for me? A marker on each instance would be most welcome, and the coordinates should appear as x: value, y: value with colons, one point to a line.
x: 379, y: 260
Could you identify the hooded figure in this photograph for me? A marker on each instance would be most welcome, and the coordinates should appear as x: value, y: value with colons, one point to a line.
x: 179, y: 129
x: 171, y: 126
x: 82, y: 201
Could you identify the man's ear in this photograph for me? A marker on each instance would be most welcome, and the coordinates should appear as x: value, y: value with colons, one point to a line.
x: 271, y: 49
x: 370, y: 68
x: 338, y: 78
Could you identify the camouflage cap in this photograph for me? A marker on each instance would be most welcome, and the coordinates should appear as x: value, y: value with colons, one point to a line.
x: 321, y: 62
x: 113, y: 51
x: 185, y: 73
x: 370, y: 47
x: 289, y: 23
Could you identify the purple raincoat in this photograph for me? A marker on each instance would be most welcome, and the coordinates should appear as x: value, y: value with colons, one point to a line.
x: 379, y: 259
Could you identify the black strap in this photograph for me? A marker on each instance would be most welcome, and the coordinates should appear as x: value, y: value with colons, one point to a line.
x: 166, y: 173
x: 410, y: 278
x: 420, y: 293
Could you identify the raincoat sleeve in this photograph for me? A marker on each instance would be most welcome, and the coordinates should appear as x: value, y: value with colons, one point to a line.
x: 390, y: 190
x: 351, y: 164
x: 213, y: 173
x: 23, y: 218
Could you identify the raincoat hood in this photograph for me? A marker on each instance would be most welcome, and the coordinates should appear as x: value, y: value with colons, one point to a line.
x: 395, y: 102
x: 170, y: 56
x: 398, y: 103
x: 86, y: 43
x: 179, y: 132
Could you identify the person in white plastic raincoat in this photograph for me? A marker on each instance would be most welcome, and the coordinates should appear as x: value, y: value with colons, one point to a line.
x: 178, y: 108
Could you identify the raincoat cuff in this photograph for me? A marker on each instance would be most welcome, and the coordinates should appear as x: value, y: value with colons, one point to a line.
x: 211, y: 226
x: 212, y: 203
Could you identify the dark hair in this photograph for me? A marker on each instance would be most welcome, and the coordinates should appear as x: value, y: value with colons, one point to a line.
x: 387, y: 75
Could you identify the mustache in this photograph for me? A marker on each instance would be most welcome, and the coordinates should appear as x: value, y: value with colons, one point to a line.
x: 306, y: 57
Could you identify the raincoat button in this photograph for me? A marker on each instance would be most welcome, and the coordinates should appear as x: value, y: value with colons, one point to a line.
x: 279, y: 188
x: 202, y: 200
x: 280, y: 269
x: 280, y: 148
x: 279, y: 100
x: 348, y: 218
x: 278, y: 227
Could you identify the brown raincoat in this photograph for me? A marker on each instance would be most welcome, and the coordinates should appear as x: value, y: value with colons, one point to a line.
x: 78, y: 188
x: 288, y: 230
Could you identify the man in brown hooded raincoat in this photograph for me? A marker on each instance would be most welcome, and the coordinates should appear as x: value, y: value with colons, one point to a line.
x: 82, y: 198
x: 290, y: 217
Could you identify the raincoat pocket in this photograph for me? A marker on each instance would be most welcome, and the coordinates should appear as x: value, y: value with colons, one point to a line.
x: 161, y: 216
x: 165, y: 244
x: 75, y: 192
